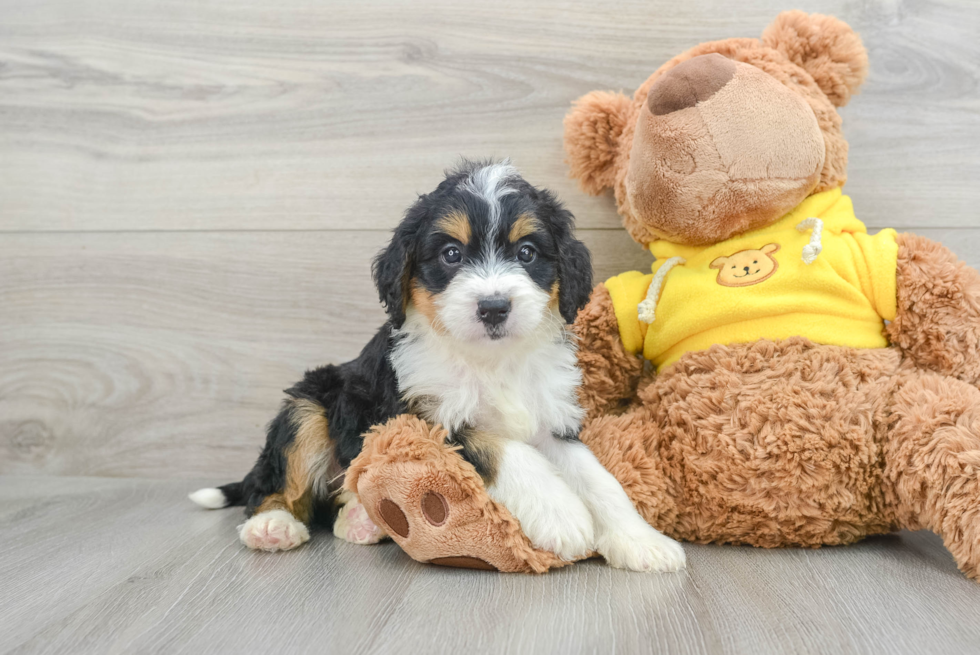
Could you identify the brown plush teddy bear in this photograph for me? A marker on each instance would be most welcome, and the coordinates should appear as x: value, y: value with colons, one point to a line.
x: 783, y: 410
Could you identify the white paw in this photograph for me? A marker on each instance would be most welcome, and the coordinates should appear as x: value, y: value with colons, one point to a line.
x: 273, y: 530
x: 354, y: 525
x: 641, y: 550
x: 565, y: 530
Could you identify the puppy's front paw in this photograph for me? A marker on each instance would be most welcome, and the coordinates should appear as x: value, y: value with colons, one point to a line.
x: 273, y: 530
x: 641, y: 550
x: 566, y: 531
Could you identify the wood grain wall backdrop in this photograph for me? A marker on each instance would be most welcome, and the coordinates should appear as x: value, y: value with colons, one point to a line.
x: 190, y: 192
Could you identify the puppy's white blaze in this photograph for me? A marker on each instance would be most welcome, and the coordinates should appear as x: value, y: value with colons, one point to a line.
x: 551, y: 515
x: 210, y: 498
x: 489, y: 183
x: 457, y: 305
x: 623, y: 537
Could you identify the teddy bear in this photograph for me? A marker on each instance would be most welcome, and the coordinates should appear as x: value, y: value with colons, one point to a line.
x: 780, y: 377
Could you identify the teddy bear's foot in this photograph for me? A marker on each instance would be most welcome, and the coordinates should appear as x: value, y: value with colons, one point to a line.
x: 434, y: 505
x: 273, y: 530
x: 353, y: 523
x: 932, y: 466
x: 641, y: 550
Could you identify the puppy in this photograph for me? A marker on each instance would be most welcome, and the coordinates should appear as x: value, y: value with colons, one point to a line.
x: 480, y: 282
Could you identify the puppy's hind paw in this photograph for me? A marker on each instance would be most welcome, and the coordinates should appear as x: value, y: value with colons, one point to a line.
x: 273, y: 530
x: 643, y: 551
x: 354, y: 525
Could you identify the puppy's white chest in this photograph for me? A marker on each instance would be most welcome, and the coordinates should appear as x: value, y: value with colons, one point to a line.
x: 507, y: 411
x: 513, y: 396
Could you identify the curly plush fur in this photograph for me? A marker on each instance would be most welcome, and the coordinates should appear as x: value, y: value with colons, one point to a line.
x: 938, y: 322
x: 767, y: 443
x: 609, y: 375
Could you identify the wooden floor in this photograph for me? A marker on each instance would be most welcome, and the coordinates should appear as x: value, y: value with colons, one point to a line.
x: 92, y: 565
x: 190, y: 195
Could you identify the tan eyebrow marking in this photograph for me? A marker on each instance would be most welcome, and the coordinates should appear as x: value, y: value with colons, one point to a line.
x: 523, y: 226
x: 457, y: 225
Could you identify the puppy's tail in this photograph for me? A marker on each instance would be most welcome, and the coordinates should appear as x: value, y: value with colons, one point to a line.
x: 219, y: 497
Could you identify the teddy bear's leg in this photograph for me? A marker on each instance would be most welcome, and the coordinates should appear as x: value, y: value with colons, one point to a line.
x: 434, y: 504
x: 932, y: 463
x: 938, y: 321
x: 609, y: 373
x: 629, y: 446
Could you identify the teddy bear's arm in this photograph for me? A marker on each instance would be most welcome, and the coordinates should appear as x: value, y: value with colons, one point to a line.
x: 938, y: 318
x: 434, y: 504
x: 609, y: 373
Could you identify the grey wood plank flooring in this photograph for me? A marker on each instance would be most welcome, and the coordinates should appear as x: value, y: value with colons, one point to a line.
x: 96, y: 565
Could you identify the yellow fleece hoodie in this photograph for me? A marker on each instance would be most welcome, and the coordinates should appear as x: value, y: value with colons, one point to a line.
x: 759, y: 286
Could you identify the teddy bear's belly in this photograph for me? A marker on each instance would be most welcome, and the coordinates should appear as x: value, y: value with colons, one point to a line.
x: 771, y: 443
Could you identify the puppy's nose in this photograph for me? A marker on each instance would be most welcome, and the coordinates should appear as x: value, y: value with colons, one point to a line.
x: 746, y: 268
x: 689, y: 83
x: 494, y: 310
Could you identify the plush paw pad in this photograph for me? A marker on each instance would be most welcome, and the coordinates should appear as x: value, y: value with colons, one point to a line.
x: 393, y: 517
x: 354, y: 525
x: 435, y: 509
x: 273, y: 530
x: 644, y: 551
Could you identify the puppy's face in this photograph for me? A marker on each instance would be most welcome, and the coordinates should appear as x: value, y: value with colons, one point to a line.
x: 486, y: 257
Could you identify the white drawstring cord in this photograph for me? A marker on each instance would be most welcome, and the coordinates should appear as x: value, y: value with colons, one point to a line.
x: 814, y: 248
x: 648, y: 308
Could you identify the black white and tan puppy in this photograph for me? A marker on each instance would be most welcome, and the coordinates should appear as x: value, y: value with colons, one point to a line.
x: 480, y: 282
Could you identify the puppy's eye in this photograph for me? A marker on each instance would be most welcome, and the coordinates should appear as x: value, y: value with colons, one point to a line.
x: 452, y: 255
x: 527, y: 254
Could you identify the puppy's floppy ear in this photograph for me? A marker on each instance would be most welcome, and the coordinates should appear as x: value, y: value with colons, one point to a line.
x: 574, y: 259
x: 575, y: 275
x: 392, y: 267
x: 391, y: 278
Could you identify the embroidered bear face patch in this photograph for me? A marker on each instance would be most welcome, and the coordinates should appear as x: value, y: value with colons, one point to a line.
x: 747, y: 267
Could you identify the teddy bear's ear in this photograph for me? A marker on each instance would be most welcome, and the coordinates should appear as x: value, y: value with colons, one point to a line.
x: 826, y: 47
x: 592, y: 138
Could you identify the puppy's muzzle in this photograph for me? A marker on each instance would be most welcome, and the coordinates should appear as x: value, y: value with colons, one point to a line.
x: 493, y: 311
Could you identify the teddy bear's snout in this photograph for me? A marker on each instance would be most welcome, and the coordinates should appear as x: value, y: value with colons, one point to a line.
x: 689, y: 83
